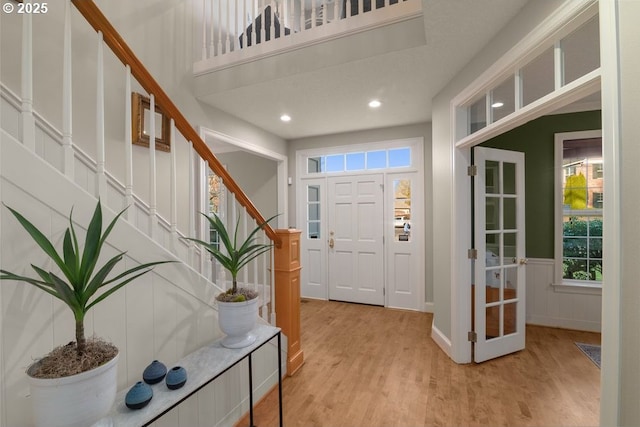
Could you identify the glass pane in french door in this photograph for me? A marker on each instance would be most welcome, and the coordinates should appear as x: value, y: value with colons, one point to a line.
x: 501, y: 268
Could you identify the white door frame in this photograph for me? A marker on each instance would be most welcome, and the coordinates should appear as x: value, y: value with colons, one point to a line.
x: 210, y: 136
x: 460, y: 347
x: 417, y: 168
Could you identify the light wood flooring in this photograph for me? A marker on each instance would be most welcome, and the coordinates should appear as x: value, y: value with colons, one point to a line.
x: 371, y: 366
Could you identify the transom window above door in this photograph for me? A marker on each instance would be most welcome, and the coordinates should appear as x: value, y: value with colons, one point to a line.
x: 360, y: 161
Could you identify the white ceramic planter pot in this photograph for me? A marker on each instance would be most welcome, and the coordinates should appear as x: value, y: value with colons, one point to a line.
x: 76, y: 401
x: 237, y: 320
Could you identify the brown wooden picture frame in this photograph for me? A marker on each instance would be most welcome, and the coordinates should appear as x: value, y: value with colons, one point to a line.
x: 140, y: 109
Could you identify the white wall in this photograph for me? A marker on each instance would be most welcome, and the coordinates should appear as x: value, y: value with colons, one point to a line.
x: 258, y: 178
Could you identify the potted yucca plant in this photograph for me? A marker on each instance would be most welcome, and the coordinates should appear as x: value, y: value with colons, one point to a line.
x: 59, y: 381
x: 238, y: 306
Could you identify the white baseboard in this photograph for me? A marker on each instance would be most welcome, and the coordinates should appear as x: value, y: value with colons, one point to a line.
x: 428, y: 307
x: 556, y: 322
x: 443, y: 342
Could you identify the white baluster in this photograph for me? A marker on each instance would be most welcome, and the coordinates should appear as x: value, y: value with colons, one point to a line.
x: 243, y: 34
x: 227, y: 43
x: 292, y: 16
x: 67, y: 144
x: 212, y: 31
x: 203, y: 54
x: 28, y: 121
x: 336, y: 10
x: 254, y: 31
x: 257, y: 276
x: 101, y: 177
x: 323, y: 8
x: 348, y: 14
x: 245, y: 233
x: 234, y: 43
x: 174, y: 187
x: 263, y: 27
x: 192, y: 205
x: 153, y: 219
x: 219, y: 27
x: 128, y: 149
x: 313, y: 13
x: 272, y: 287
x: 302, y: 12
x: 284, y: 16
x: 271, y: 31
x: 206, y: 261
x: 360, y: 7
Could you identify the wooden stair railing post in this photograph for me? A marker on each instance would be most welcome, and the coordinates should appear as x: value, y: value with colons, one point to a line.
x: 287, y: 283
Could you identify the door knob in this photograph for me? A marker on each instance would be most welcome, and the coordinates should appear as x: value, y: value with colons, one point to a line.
x: 331, y: 243
x: 523, y: 261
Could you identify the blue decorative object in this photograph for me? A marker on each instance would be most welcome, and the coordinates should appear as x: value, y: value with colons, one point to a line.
x: 176, y: 377
x: 138, y: 396
x: 154, y: 373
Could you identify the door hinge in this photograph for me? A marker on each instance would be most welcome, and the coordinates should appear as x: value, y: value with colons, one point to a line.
x: 472, y: 336
x: 472, y: 170
x: 472, y: 254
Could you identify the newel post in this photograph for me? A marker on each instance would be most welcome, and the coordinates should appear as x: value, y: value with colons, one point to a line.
x: 287, y: 279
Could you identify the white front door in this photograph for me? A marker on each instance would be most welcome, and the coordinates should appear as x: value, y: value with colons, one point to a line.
x: 499, y: 269
x: 355, y: 226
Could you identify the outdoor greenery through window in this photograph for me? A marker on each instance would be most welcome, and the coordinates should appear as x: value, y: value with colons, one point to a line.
x: 582, y: 198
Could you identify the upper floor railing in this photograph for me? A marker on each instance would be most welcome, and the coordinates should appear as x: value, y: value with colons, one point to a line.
x: 232, y: 29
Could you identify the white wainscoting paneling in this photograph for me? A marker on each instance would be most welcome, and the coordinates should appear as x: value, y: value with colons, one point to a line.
x: 549, y: 306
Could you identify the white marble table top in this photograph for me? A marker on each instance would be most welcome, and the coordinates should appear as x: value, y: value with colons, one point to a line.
x: 202, y: 365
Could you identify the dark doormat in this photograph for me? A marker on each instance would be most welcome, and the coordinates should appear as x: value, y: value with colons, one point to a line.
x: 592, y: 351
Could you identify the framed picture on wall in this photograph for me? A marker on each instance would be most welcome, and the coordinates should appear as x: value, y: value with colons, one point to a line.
x: 141, y: 118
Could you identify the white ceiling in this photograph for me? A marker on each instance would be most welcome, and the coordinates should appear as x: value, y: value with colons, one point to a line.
x: 334, y: 99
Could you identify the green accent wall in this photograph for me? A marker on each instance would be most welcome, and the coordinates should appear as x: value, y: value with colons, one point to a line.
x: 536, y: 140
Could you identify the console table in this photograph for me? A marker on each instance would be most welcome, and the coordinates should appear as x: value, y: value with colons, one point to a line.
x: 203, y: 366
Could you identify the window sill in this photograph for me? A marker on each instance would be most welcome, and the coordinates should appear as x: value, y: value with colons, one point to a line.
x: 576, y: 288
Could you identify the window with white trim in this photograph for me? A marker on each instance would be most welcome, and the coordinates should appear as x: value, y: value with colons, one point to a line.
x: 360, y: 161
x: 579, y: 198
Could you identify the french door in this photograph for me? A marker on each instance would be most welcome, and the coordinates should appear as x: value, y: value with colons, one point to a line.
x: 499, y: 268
x: 355, y: 232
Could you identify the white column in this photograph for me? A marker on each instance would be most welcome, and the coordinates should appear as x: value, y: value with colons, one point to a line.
x: 101, y: 178
x: 153, y: 219
x: 67, y: 144
x: 28, y: 121
x: 128, y: 150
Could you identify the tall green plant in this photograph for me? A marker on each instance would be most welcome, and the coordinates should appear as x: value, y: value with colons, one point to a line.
x: 236, y: 254
x: 78, y: 268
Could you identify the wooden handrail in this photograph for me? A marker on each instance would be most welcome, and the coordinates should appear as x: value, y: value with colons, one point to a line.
x: 116, y: 43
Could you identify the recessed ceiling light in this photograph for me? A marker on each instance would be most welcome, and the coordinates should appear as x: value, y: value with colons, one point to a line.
x: 497, y: 104
x: 285, y: 118
x: 375, y: 103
